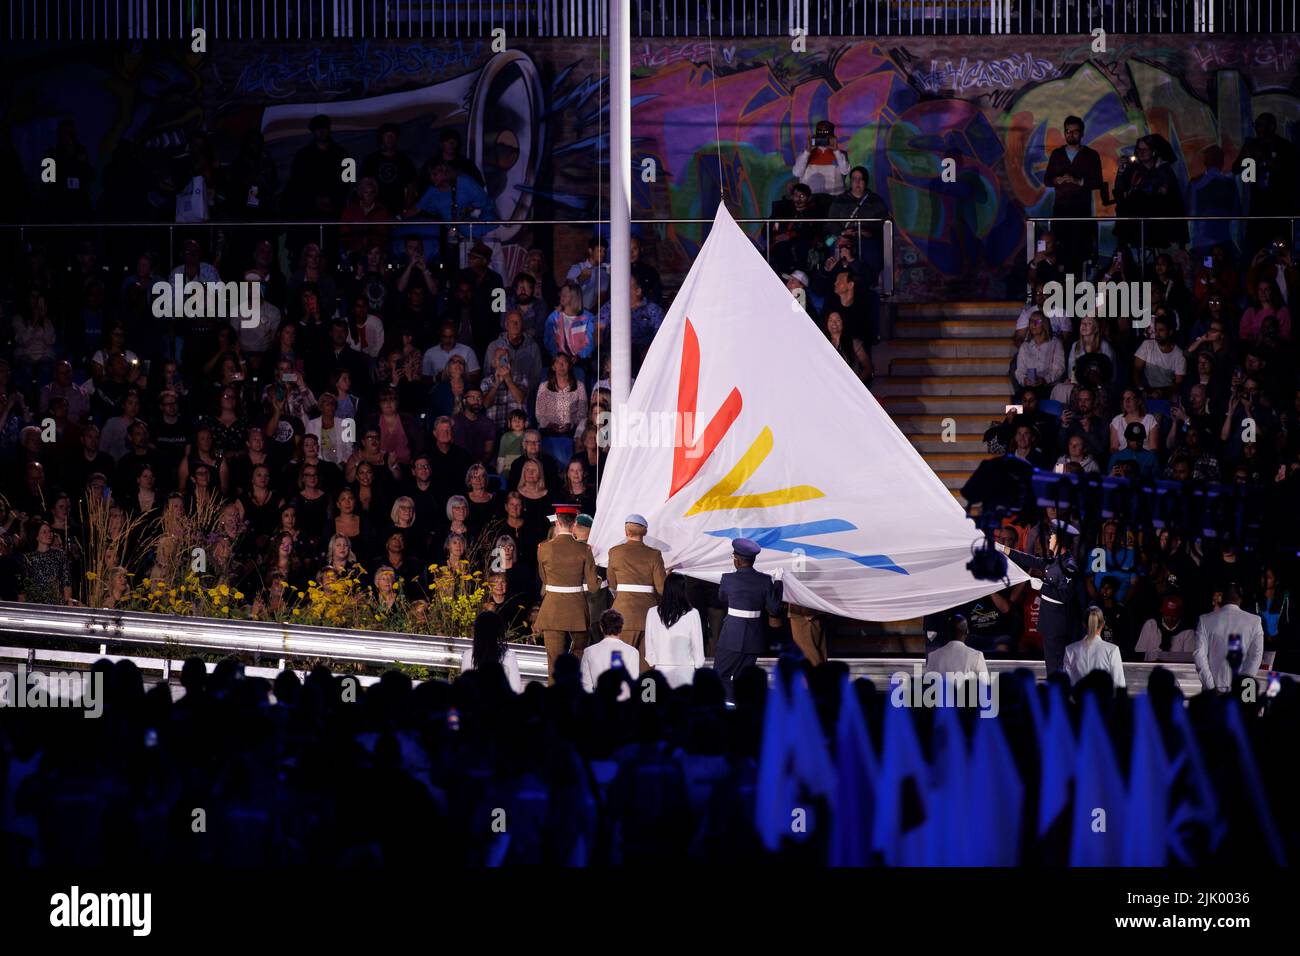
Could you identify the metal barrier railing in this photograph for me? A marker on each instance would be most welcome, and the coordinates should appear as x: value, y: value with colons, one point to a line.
x: 331, y: 235
x: 80, y: 20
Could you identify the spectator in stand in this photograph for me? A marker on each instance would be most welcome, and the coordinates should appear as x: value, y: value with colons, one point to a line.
x: 312, y: 274
x: 1272, y: 603
x: 646, y: 319
x: 794, y: 241
x: 415, y: 271
x: 851, y: 350
x: 450, y: 196
x: 537, y: 266
x: 1177, y: 298
x: 67, y: 195
x: 450, y: 462
x: 486, y: 284
x: 652, y: 286
x: 1094, y: 654
x: 453, y: 384
x: 822, y: 165
x: 473, y: 430
x: 1272, y: 191
x: 251, y: 181
x: 1060, y: 322
x: 1133, y: 409
x: 524, y: 301
x: 1074, y: 174
x: 1274, y: 262
x: 856, y: 307
x: 1266, y: 301
x: 62, y: 386
x: 366, y: 211
x: 1046, y: 264
x: 400, y: 435
x: 505, y: 388
x: 1081, y: 418
x: 797, y: 282
x: 391, y: 169
x: 1160, y: 365
x: 1245, y: 404
x: 1213, y: 193
x: 365, y: 329
x: 522, y: 350
x: 561, y: 400
x: 1217, y: 276
x: 1091, y: 341
x: 436, y: 357
x: 1026, y: 446
x: 1146, y: 188
x: 46, y: 576
x: 576, y: 487
x: 511, y: 444
x: 1135, y: 436
x: 571, y: 329
x: 451, y: 151
x: 1168, y: 636
x: 592, y: 274
x: 866, y: 239
x: 1040, y: 361
x: 315, y: 189
x: 34, y: 342
x: 1076, y: 452
x: 532, y: 451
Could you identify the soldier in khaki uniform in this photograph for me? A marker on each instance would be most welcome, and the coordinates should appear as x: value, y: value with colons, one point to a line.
x: 568, y: 572
x: 807, y: 627
x: 597, y: 601
x: 636, y: 576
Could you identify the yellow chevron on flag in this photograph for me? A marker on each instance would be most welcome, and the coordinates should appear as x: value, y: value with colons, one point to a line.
x: 723, y: 495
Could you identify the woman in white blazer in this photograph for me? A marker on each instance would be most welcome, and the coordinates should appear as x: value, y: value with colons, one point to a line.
x: 1093, y: 654
x: 674, y: 634
x: 490, y: 647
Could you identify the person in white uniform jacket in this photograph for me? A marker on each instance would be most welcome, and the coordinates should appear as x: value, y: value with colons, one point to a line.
x: 1093, y: 654
x: 599, y: 657
x: 674, y: 634
x: 955, y: 657
x: 490, y: 647
x: 1212, y: 634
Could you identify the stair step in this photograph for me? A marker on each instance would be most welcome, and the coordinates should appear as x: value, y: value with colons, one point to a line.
x: 928, y: 446
x: 979, y: 405
x: 942, y: 385
x: 993, y: 347
x: 931, y: 425
x: 951, y: 366
x: 947, y: 461
x: 954, y: 328
x: 957, y: 311
x: 954, y: 480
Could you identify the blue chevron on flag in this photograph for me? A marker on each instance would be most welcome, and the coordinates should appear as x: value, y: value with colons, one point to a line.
x: 784, y: 538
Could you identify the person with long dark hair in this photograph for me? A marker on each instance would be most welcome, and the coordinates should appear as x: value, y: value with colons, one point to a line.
x: 674, y: 634
x: 490, y: 647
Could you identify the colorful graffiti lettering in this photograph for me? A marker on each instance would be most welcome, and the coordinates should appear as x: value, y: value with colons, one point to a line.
x: 982, y: 74
x: 279, y: 75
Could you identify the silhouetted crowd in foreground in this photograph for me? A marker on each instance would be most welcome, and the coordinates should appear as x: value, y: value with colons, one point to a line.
x: 240, y: 770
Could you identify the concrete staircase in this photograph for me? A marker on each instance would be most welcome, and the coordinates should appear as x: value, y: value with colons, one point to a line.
x: 947, y: 361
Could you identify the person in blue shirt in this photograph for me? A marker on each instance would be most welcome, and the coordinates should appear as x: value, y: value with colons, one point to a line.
x: 451, y: 197
x: 646, y: 319
x: 1134, y: 437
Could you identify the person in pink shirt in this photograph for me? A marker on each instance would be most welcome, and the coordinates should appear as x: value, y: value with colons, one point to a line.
x: 1267, y: 301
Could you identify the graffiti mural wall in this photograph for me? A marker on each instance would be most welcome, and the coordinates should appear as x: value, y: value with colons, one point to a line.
x: 723, y: 120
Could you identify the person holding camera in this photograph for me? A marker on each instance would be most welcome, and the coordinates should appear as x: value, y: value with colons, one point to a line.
x: 1274, y: 262
x: 822, y: 165
x: 1146, y: 188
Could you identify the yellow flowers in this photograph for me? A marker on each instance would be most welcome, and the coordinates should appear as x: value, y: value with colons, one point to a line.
x: 92, y: 576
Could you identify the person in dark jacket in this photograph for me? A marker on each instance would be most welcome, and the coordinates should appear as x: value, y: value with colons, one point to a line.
x: 1074, y: 173
x: 748, y: 595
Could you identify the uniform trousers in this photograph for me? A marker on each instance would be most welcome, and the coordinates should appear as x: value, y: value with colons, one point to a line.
x: 730, y: 663
x: 557, y: 642
x: 1058, y: 629
x: 809, y: 633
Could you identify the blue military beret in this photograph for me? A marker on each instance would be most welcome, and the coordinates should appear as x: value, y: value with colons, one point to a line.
x: 745, y: 547
x: 637, y: 519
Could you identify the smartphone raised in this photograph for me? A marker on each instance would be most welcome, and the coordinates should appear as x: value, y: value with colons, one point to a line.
x: 1018, y: 409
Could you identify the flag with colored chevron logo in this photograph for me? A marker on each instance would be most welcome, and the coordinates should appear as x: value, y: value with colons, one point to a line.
x: 745, y: 422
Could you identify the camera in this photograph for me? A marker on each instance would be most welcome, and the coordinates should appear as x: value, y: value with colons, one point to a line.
x: 821, y: 140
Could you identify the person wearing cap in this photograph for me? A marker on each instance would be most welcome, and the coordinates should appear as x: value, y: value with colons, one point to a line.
x: 485, y: 322
x: 822, y: 165
x: 1167, y: 636
x: 748, y: 594
x: 1135, y: 436
x: 797, y: 282
x: 316, y: 188
x: 636, y: 576
x: 597, y: 601
x: 567, y: 570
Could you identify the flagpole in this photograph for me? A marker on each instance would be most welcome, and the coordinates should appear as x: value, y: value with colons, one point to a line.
x: 620, y: 203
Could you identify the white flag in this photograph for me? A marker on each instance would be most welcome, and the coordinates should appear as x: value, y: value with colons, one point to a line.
x: 745, y: 422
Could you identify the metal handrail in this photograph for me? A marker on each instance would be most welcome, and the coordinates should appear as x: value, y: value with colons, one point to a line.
x: 266, y: 638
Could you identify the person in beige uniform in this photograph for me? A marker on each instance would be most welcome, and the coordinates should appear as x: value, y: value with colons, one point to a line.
x: 568, y: 572
x: 597, y: 601
x: 636, y: 576
x: 808, y: 628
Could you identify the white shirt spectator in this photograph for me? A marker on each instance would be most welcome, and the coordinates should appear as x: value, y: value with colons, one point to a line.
x: 1059, y: 322
x: 510, y: 662
x: 1211, y: 655
x: 1087, y: 463
x: 112, y: 437
x: 436, y: 359
x: 374, y: 329
x: 596, y: 660
x: 822, y: 178
x: 1046, y: 360
x: 33, y: 341
x: 1162, y: 367
x: 1182, y: 643
x: 1093, y: 654
x: 1076, y: 353
x: 955, y: 657
x: 332, y: 446
x: 677, y: 651
x: 100, y: 358
x: 1149, y: 421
